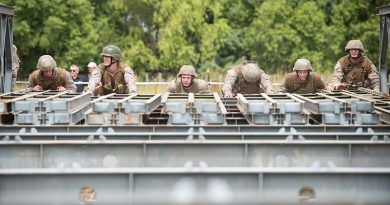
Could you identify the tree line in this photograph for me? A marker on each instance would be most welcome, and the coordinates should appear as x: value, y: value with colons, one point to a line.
x: 161, y: 35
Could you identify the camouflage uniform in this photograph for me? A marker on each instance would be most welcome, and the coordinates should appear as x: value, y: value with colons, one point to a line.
x: 102, y: 82
x: 292, y: 84
x: 361, y: 74
x: 60, y: 77
x: 121, y: 82
x: 198, y: 85
x: 15, y: 64
x: 247, y: 79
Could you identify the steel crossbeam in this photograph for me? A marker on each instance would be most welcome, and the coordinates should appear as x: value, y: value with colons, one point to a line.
x: 381, y: 102
x: 176, y: 153
x: 340, y: 108
x: 187, y: 185
x: 194, y: 108
x: 51, y: 108
x: 273, y: 109
x: 122, y: 109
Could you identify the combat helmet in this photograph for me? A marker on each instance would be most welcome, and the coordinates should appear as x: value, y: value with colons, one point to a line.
x: 187, y: 70
x: 354, y: 44
x: 302, y: 64
x: 112, y: 51
x: 250, y: 71
x: 46, y: 63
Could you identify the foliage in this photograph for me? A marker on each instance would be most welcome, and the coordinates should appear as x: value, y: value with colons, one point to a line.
x: 160, y: 36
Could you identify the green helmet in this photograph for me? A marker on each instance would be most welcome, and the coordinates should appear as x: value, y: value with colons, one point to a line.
x: 354, y: 44
x: 112, y: 51
x: 302, y: 64
x: 46, y: 62
x: 251, y: 72
x: 187, y: 70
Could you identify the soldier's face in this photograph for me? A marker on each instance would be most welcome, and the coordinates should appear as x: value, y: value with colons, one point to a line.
x: 186, y: 80
x: 107, y: 60
x: 48, y: 73
x: 302, y: 74
x: 354, y: 53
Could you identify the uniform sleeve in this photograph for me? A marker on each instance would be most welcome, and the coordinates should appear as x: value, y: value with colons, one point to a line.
x: 374, y: 78
x: 171, y: 87
x: 94, y: 80
x: 31, y: 81
x: 230, y: 78
x: 69, y: 84
x: 265, y: 81
x: 130, y: 80
x: 283, y: 87
x: 337, y: 75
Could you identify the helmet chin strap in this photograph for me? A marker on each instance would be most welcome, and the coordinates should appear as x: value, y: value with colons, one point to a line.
x: 112, y: 61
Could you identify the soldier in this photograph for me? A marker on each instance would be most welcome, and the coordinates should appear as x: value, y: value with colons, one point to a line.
x: 112, y: 76
x: 247, y: 78
x: 186, y: 82
x: 302, y: 80
x: 15, y: 64
x: 50, y: 77
x: 354, y: 70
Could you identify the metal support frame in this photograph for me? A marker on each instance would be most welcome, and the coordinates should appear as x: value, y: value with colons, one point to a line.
x: 6, y: 41
x: 384, y: 13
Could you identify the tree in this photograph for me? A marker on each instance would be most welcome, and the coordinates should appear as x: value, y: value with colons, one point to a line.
x: 62, y: 29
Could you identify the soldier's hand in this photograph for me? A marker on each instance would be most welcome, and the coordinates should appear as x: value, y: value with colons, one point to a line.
x: 37, y: 88
x: 341, y: 86
x: 119, y: 88
x: 228, y: 95
x: 330, y: 88
x: 60, y: 88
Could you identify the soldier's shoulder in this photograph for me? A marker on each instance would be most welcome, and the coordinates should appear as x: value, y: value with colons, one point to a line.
x: 202, y: 84
x: 171, y: 85
x: 35, y: 73
x: 233, y: 72
x: 290, y: 75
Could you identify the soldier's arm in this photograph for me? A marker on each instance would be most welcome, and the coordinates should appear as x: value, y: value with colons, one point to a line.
x: 337, y: 76
x: 31, y: 82
x: 69, y: 84
x: 283, y: 87
x: 227, y: 87
x: 374, y: 78
x: 94, y: 80
x: 204, y: 87
x: 130, y: 80
x: 171, y: 86
x: 266, y: 83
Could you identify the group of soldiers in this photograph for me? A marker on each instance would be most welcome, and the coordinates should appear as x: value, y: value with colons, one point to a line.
x: 112, y: 76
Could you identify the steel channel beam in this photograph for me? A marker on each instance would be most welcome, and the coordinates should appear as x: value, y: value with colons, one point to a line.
x: 67, y: 102
x: 6, y: 100
x: 58, y: 186
x: 35, y: 103
x: 162, y: 153
x: 222, y: 132
x: 144, y: 106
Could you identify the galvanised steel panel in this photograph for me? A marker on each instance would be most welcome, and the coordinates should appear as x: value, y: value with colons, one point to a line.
x: 303, y: 155
x: 238, y: 184
x: 64, y: 185
x: 61, y: 189
x: 360, y: 185
x: 194, y: 154
x: 93, y: 155
x: 17, y: 156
